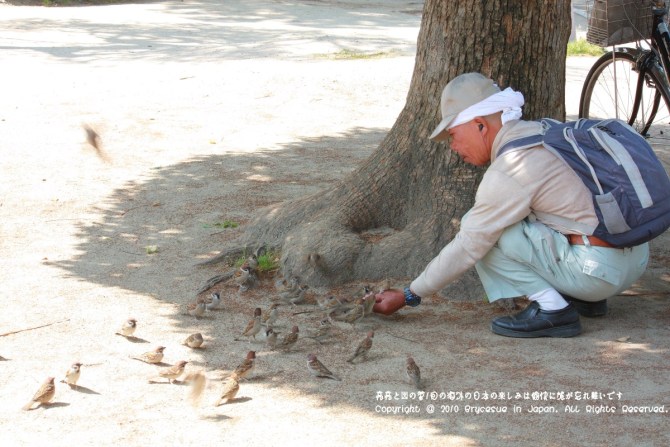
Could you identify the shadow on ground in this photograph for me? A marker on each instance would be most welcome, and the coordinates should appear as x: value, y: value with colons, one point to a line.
x: 196, y: 30
x: 179, y: 210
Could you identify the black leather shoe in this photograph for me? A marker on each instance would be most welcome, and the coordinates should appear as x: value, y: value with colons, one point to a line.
x: 534, y: 322
x: 589, y: 309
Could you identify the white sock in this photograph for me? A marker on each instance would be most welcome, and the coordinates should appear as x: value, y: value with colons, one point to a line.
x: 549, y: 299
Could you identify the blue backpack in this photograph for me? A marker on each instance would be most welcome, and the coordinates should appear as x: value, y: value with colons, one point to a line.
x: 631, y: 190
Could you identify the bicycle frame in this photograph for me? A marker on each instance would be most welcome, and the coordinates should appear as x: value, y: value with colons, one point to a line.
x: 660, y: 49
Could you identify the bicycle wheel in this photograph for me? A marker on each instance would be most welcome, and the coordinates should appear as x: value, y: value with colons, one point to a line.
x: 610, y: 90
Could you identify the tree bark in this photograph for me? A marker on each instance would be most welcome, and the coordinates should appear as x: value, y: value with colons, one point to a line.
x: 393, y: 214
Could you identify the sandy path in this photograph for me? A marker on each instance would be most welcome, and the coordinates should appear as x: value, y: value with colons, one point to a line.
x: 206, y: 112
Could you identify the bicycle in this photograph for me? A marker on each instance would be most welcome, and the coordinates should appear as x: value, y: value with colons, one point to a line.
x: 632, y: 82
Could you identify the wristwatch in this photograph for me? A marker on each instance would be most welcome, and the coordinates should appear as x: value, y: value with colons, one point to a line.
x: 411, y: 299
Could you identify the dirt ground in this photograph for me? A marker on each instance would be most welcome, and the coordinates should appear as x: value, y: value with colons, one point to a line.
x: 208, y: 110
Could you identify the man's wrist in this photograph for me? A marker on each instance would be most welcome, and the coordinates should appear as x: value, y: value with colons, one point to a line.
x: 411, y: 299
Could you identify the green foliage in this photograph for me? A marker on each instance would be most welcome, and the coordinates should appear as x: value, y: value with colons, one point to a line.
x: 581, y: 47
x: 266, y: 263
x: 225, y: 224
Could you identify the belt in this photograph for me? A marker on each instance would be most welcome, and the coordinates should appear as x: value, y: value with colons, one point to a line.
x: 578, y: 239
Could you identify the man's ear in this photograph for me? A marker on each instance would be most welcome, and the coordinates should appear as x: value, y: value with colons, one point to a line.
x: 482, y: 125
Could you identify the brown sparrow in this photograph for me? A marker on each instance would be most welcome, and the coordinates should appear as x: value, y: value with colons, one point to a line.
x: 271, y: 339
x: 318, y: 369
x: 368, y: 303
x: 128, y: 328
x: 44, y: 395
x: 197, y: 309
x: 246, y: 278
x: 287, y: 286
x: 230, y: 388
x: 198, y: 383
x: 251, y: 263
x: 72, y: 374
x: 294, y: 297
x: 352, y: 316
x: 322, y: 332
x: 269, y: 317
x: 213, y: 302
x: 329, y: 303
x: 363, y: 347
x: 413, y: 372
x: 247, y: 366
x: 254, y: 325
x: 194, y: 340
x: 155, y: 356
x: 290, y: 338
x: 173, y: 372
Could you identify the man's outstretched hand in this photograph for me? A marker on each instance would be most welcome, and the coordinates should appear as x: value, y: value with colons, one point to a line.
x: 388, y: 301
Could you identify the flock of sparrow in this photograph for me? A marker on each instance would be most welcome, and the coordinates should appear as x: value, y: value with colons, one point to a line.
x: 289, y: 293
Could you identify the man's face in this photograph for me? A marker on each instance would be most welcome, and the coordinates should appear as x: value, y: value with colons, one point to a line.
x: 468, y: 141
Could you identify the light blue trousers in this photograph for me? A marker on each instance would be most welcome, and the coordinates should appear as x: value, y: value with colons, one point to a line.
x: 530, y: 257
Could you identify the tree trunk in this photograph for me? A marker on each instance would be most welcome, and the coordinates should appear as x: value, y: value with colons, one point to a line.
x: 394, y: 213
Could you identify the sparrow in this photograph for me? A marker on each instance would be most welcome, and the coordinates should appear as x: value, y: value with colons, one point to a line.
x: 43, y: 395
x: 128, y: 328
x: 290, y: 338
x: 413, y: 372
x: 368, y: 303
x: 198, y: 383
x: 194, y: 340
x: 271, y: 339
x: 251, y: 262
x: 230, y: 388
x: 247, y: 366
x: 213, y: 302
x: 72, y: 374
x: 155, y: 356
x: 290, y: 285
x: 269, y: 317
x: 245, y: 279
x: 329, y: 303
x: 384, y: 286
x: 362, y: 348
x: 322, y: 332
x: 197, y: 309
x: 317, y: 368
x: 95, y: 141
x: 317, y: 261
x: 352, y: 316
x: 173, y: 372
x: 294, y: 297
x: 253, y: 326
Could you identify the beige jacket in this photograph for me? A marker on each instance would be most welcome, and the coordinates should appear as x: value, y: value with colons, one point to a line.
x: 526, y: 183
